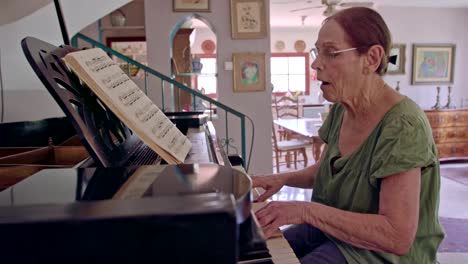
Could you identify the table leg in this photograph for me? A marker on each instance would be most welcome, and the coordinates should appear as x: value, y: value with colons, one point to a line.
x: 304, y: 154
x: 288, y: 159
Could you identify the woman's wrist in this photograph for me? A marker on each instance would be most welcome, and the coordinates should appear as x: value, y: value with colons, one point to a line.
x: 308, y: 212
x: 287, y: 177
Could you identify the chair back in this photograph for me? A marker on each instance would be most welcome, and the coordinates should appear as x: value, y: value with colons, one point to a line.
x: 286, y: 107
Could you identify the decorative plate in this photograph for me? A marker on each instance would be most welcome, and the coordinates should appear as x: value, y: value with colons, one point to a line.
x: 299, y: 46
x: 208, y: 46
x: 279, y: 45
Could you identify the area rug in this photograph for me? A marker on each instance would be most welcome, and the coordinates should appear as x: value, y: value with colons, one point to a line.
x: 458, y: 174
x: 456, y: 235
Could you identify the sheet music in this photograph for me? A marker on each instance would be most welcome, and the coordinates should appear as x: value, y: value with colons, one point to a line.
x: 130, y: 101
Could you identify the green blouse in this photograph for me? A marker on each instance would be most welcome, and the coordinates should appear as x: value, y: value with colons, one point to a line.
x: 401, y: 141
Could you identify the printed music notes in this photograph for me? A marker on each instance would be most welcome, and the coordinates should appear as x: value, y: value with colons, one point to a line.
x: 118, y: 92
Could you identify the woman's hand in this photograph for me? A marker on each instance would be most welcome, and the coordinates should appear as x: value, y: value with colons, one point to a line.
x: 271, y: 184
x: 276, y: 214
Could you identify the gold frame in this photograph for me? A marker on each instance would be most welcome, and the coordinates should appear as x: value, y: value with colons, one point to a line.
x: 400, y: 51
x: 183, y: 6
x: 256, y: 82
x: 441, y: 58
x: 247, y: 25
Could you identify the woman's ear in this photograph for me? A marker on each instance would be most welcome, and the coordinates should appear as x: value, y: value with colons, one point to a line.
x: 374, y: 57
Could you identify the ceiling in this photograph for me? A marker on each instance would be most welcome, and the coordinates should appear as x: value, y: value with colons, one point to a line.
x: 281, y: 15
x: 12, y: 10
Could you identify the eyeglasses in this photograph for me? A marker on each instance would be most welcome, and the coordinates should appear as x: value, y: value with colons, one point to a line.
x: 328, y: 54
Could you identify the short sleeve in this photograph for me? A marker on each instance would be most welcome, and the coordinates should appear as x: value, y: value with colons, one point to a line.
x: 324, y: 131
x: 405, y: 143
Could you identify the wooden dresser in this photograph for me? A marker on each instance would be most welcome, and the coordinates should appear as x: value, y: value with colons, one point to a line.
x: 450, y: 132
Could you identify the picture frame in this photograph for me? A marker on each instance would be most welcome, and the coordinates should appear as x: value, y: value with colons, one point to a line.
x: 133, y: 47
x: 433, y: 63
x: 248, y: 19
x: 399, y: 67
x: 248, y: 72
x: 191, y: 5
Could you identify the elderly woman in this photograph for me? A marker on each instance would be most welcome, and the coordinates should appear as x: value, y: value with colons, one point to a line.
x: 376, y: 188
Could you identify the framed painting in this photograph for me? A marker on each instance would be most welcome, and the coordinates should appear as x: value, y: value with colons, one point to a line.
x: 399, y: 67
x: 433, y: 64
x: 191, y: 5
x: 248, y: 72
x: 248, y: 19
x: 132, y: 47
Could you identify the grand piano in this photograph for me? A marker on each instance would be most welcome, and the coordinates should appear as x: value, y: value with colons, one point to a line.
x: 116, y: 206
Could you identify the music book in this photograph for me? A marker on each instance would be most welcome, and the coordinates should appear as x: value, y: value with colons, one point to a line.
x: 129, y: 103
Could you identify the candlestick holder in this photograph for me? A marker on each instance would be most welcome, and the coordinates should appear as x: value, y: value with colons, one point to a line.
x: 437, y: 104
x: 449, y: 100
x: 397, y: 88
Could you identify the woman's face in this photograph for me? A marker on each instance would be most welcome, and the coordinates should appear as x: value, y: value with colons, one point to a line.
x: 340, y: 73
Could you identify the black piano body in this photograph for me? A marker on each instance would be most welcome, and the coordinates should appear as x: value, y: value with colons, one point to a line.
x: 59, y: 211
x: 189, y: 213
x: 171, y: 227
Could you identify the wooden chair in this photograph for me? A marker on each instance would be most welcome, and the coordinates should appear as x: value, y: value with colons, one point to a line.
x: 286, y: 108
x: 295, y: 146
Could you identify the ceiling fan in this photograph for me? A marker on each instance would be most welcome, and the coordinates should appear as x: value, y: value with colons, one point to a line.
x: 332, y: 6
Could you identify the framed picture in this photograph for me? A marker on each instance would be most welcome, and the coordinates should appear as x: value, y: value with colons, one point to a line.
x: 399, y: 67
x: 133, y: 47
x: 433, y: 64
x: 248, y: 72
x: 191, y: 5
x: 248, y: 19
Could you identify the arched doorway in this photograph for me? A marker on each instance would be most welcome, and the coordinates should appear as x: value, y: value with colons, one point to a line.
x: 193, y: 43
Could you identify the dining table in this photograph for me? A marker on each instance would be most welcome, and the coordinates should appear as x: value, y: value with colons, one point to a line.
x: 304, y: 129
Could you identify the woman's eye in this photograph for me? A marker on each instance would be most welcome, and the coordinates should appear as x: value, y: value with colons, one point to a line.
x: 330, y: 53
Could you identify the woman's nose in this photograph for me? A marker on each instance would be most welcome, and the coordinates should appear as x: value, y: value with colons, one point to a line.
x: 315, y: 64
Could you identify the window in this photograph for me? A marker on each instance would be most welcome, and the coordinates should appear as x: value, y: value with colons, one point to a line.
x: 207, y: 77
x: 290, y: 72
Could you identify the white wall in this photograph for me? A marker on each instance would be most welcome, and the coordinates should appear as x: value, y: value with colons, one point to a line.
x: 409, y: 25
x: 25, y: 97
x: 429, y: 25
x: 202, y: 34
x: 160, y: 21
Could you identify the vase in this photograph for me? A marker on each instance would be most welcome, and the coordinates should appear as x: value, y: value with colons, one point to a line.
x: 118, y: 18
x: 197, y: 66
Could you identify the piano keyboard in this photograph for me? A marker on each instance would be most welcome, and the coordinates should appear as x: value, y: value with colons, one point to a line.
x: 279, y: 248
x: 199, y: 152
x: 280, y: 251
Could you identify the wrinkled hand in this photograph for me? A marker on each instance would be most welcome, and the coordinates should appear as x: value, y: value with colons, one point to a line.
x: 276, y: 214
x: 272, y: 184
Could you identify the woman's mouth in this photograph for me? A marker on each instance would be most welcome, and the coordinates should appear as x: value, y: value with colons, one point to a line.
x: 324, y: 83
